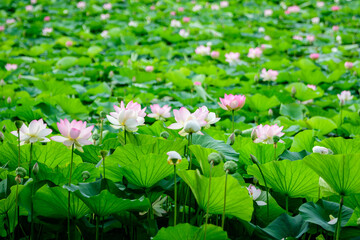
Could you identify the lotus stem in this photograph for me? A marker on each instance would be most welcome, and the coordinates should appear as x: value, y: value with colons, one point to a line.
x: 97, y: 227
x: 125, y: 135
x: 275, y: 146
x: 223, y: 214
x: 233, y: 120
x: 69, y: 194
x: 16, y: 217
x: 208, y: 201
x: 31, y: 150
x: 267, y: 189
x: 190, y: 166
x: 101, y: 130
x: 287, y: 203
x: 341, y: 118
x: 338, y: 225
x: 32, y: 211
x: 175, y: 196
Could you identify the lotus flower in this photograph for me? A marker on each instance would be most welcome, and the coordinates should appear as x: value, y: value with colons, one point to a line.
x: 320, y: 4
x: 215, y: 54
x: 310, y: 38
x: 292, y: 9
x: 335, y: 28
x: 314, y: 56
x: 36, y: 132
x: 299, y: 38
x: 183, y: 33
x: 268, y: 12
x: 224, y: 4
x: 335, y: 8
x: 254, y: 53
x: 107, y: 6
x: 75, y: 133
x: 266, y: 134
x: 344, y: 96
x: 202, y: 50
x: 255, y: 194
x: 313, y: 87
x: 232, y: 58
x: 149, y: 68
x: 81, y: 5
x: 46, y: 31
x: 209, y: 117
x: 348, y: 65
x: 10, y: 67
x: 174, y: 158
x: 159, y: 113
x: 175, y: 23
x: 269, y: 75
x: 189, y: 123
x: 322, y: 150
x: 127, y: 118
x: 186, y: 19
x: 29, y: 8
x: 232, y: 102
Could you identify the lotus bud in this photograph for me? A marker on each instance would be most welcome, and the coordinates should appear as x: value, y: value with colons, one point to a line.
x: 85, y: 175
x: 111, y: 74
x: 102, y: 114
x: 8, y: 100
x: 215, y: 158
x: 2, y: 137
x: 237, y: 132
x: 103, y: 153
x: 192, y: 126
x: 35, y: 169
x: 230, y: 167
x: 293, y: 91
x: 3, y: 128
x: 2, y: 83
x: 270, y: 112
x: 322, y: 150
x: 18, y: 124
x: 276, y: 139
x: 174, y: 158
x: 231, y: 139
x: 95, y: 136
x: 254, y: 159
x: 20, y: 171
x: 164, y: 134
x: 256, y: 78
x: 253, y: 134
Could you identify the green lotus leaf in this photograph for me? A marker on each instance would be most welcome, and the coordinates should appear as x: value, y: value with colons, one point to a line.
x: 303, y: 141
x: 340, y: 145
x: 322, y: 124
x: 261, y: 103
x: 201, y: 157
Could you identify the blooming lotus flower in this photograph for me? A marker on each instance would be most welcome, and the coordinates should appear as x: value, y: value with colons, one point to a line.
x: 186, y: 19
x: 232, y: 58
x: 310, y: 38
x: 266, y: 134
x: 232, y: 102
x: 46, y: 31
x: 47, y: 18
x: 69, y: 43
x: 36, y: 132
x: 215, y: 54
x: 2, y: 28
x: 269, y: 75
x: 10, y: 67
x: 107, y: 6
x: 183, y: 33
x: 133, y: 24
x: 292, y: 9
x: 268, y: 12
x: 104, y: 16
x: 209, y: 117
x: 159, y: 113
x: 313, y: 87
x: 335, y: 8
x: 180, y: 9
x: 202, y: 50
x: 149, y: 68
x: 215, y: 7
x: 152, y: 7
x: 197, y: 83
x: 299, y: 38
x: 224, y: 4
x: 254, y: 53
x: 74, y: 132
x: 333, y: 220
x: 10, y: 21
x: 344, y: 96
x: 127, y: 118
x: 320, y: 4
x: 104, y: 34
x: 33, y: 1
x: 29, y: 8
x: 348, y: 65
x: 81, y: 5
x: 314, y: 56
x: 197, y: 8
x: 261, y: 29
x: 255, y: 194
x: 190, y: 123
x: 175, y: 23
x: 335, y: 28
x: 322, y: 150
x: 174, y: 158
x: 172, y: 13
x: 315, y: 20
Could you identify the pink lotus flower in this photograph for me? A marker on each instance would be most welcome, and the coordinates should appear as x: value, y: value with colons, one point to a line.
x: 348, y: 65
x: 268, y: 12
x: 335, y: 28
x: 189, y: 123
x: 269, y: 75
x: 10, y: 21
x: 232, y: 102
x: 172, y: 13
x: 215, y: 54
x: 299, y: 38
x: 202, y: 50
x: 310, y: 38
x: 149, y: 68
x: 315, y: 20
x: 335, y: 8
x: 266, y: 134
x: 183, y: 33
x: 320, y: 4
x: 69, y: 43
x: 215, y: 7
x: 232, y: 58
x: 255, y: 194
x: 186, y: 19
x: 47, y: 18
x: 180, y: 9
x: 47, y: 31
x: 75, y: 133
x: 107, y: 6
x: 81, y: 5
x: 293, y: 9
x: 29, y: 8
x: 209, y: 117
x: 313, y: 87
x: 254, y: 53
x: 33, y: 1
x: 10, y: 67
x: 104, y: 34
x: 2, y: 28
x: 36, y: 132
x: 104, y: 16
x: 127, y: 118
x: 224, y: 4
x: 197, y: 83
x: 345, y: 96
x: 175, y: 23
x: 314, y: 56
x: 159, y: 113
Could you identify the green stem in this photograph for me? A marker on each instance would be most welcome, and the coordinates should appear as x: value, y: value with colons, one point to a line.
x: 208, y: 200
x: 175, y: 194
x: 341, y: 119
x: 8, y: 230
x: 19, y: 153
x: 233, y: 120
x: 223, y: 214
x: 16, y: 217
x: 32, y: 232
x: 125, y: 135
x: 97, y: 227
x: 275, y: 146
x: 267, y: 190
x: 104, y: 166
x: 69, y: 195
x: 101, y: 130
x: 287, y: 203
x: 187, y: 187
x: 338, y: 225
x: 31, y: 149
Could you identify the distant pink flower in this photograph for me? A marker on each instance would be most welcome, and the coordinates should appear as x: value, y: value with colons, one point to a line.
x: 315, y: 20
x: 202, y: 50
x: 172, y: 13
x: 47, y: 18
x: 292, y: 9
x: 69, y: 43
x: 29, y: 8
x: 254, y: 53
x: 232, y: 102
x: 104, y: 34
x: 232, y: 58
x: 313, y: 87
x: 215, y: 54
x: 269, y: 75
x: 266, y: 134
x: 175, y: 23
x: 197, y: 83
x: 152, y: 7
x: 348, y: 65
x: 335, y: 8
x: 215, y: 7
x: 104, y: 16
x: 299, y: 38
x: 183, y: 33
x: 344, y: 96
x: 159, y: 113
x: 33, y: 1
x: 81, y: 5
x: 187, y: 121
x: 36, y: 132
x: 74, y: 132
x: 267, y: 38
x: 186, y: 19
x: 268, y: 12
x: 180, y: 9
x: 10, y: 21
x: 149, y: 68
x: 107, y: 6
x: 224, y: 4
x: 314, y: 56
x: 320, y: 4
x: 10, y: 67
x: 2, y: 28
x: 310, y: 38
x: 46, y: 31
x: 335, y: 28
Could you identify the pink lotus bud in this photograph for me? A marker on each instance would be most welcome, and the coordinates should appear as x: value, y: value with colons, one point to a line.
x: 29, y: 8
x: 186, y: 19
x: 335, y: 28
x: 69, y: 43
x: 215, y: 54
x: 2, y: 28
x: 152, y: 7
x: 33, y: 1
x: 180, y: 9
x: 335, y: 8
x: 310, y: 38
x: 8, y: 100
x: 197, y: 83
x: 313, y: 87
x: 172, y: 13
x: 314, y: 56
x: 47, y: 18
x: 149, y: 68
x: 348, y: 65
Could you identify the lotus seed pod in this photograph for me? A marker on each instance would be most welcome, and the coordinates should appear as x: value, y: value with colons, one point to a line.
x: 231, y: 139
x: 95, y: 136
x: 85, y: 175
x: 102, y: 114
x: 215, y: 158
x: 18, y: 124
x: 276, y: 139
x: 35, y: 169
x: 103, y: 153
x: 230, y: 167
x: 237, y: 132
x: 164, y: 134
x: 20, y: 171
